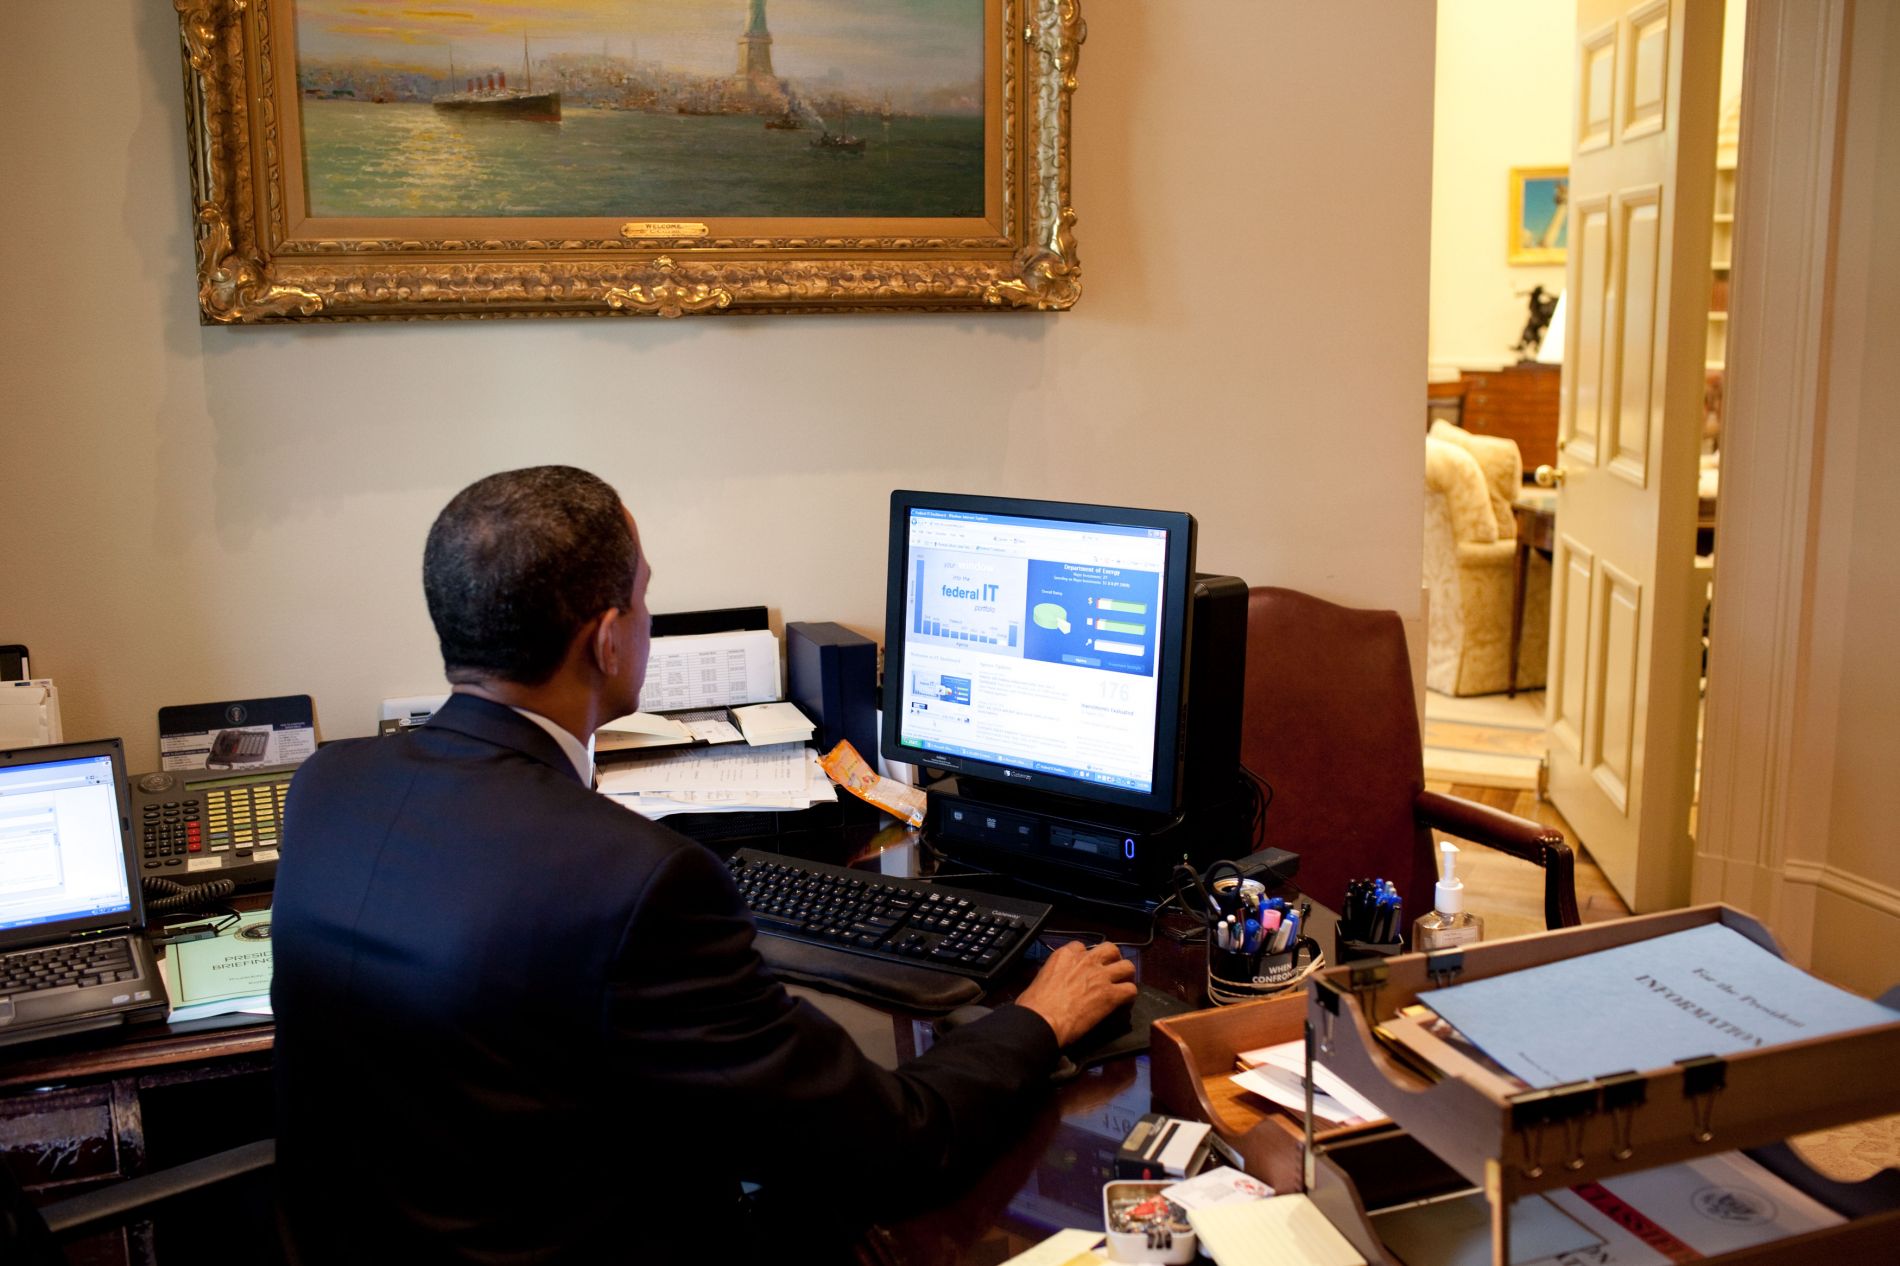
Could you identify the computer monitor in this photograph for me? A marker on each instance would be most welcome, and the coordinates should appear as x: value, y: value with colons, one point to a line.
x: 1039, y: 645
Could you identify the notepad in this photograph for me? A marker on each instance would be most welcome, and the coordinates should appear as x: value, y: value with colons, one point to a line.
x: 1283, y: 1231
x: 768, y: 723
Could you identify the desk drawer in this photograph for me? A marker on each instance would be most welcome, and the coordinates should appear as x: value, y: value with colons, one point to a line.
x: 68, y: 1138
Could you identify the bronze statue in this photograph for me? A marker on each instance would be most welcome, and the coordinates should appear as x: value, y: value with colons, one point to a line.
x: 1542, y: 304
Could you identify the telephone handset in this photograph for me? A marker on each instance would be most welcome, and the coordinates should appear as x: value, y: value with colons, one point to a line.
x: 195, y: 824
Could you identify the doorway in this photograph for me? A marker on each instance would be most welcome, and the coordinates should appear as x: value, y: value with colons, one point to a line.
x: 1504, y: 102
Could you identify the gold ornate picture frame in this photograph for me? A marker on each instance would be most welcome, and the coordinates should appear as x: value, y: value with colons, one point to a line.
x: 280, y: 237
x: 1539, y: 215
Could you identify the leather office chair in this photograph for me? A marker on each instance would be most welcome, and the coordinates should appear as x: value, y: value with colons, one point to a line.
x: 33, y: 1236
x: 1332, y: 726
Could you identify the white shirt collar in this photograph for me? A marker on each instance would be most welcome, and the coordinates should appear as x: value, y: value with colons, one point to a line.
x: 581, y: 756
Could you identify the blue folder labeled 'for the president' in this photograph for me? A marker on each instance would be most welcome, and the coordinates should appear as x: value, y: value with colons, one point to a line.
x: 1707, y: 991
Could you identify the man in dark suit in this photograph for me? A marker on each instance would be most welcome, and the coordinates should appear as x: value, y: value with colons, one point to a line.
x: 488, y: 975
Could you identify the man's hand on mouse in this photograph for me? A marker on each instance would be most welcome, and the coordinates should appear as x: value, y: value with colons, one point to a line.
x: 1077, y: 988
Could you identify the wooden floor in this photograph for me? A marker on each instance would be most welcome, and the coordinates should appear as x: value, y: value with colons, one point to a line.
x: 1509, y: 893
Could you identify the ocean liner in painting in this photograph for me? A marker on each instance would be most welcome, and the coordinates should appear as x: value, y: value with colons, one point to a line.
x: 491, y: 96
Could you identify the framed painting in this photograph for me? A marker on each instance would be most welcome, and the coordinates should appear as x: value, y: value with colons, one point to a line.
x: 1540, y: 214
x: 377, y: 159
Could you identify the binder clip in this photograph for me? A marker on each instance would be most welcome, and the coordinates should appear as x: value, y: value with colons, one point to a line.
x: 1703, y: 1077
x: 1444, y: 966
x: 1534, y: 1110
x: 1326, y: 993
x: 1623, y: 1093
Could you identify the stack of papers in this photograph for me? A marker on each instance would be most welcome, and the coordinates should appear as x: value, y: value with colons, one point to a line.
x: 1278, y: 1074
x: 1675, y: 1213
x: 768, y: 723
x: 710, y: 670
x: 228, y: 973
x: 649, y: 729
x: 720, y: 780
x: 1705, y: 991
x: 29, y: 713
x: 1276, y: 1232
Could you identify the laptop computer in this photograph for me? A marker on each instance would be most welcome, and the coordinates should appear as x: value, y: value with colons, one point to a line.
x: 73, y: 954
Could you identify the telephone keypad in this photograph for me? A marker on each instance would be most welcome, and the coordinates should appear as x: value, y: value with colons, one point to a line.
x: 234, y: 820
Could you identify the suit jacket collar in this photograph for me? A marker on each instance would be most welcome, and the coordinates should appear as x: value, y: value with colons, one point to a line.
x: 501, y: 725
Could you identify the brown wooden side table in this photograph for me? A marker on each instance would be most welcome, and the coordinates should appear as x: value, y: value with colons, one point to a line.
x: 1536, y: 530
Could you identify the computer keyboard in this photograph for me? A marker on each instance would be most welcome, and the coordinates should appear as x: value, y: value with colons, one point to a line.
x: 73, y: 963
x: 910, y: 921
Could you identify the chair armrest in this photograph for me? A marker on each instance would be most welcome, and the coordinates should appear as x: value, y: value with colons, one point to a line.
x: 114, y: 1203
x: 1520, y: 837
x: 1501, y: 555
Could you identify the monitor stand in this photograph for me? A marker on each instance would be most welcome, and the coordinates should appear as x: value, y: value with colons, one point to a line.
x: 1079, y: 846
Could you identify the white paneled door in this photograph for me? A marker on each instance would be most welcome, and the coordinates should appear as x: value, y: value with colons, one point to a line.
x: 1625, y: 631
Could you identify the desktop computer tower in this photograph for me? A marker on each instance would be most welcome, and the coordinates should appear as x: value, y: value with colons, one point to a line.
x: 1101, y: 850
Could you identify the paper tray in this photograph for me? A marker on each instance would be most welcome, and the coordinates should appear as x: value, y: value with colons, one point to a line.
x: 1190, y: 1070
x: 1538, y: 1140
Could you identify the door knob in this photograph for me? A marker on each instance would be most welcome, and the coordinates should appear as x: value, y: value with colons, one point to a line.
x: 1550, y: 476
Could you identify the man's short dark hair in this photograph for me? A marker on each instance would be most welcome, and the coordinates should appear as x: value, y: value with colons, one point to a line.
x: 517, y: 563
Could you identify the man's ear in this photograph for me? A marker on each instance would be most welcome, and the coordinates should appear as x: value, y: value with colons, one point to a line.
x: 602, y: 647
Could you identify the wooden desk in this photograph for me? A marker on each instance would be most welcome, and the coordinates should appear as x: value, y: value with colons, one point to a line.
x: 1052, y: 1177
x: 87, y: 1111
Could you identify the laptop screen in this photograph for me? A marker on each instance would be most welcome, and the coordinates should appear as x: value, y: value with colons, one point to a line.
x: 62, y: 844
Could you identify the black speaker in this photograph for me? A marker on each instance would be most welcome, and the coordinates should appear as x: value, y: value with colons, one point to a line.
x: 832, y: 675
x: 1213, y: 704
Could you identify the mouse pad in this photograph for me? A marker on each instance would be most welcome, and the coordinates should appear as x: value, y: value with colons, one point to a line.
x: 1125, y: 1032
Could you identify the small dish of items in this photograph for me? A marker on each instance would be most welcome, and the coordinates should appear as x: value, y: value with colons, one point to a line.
x: 1144, y: 1225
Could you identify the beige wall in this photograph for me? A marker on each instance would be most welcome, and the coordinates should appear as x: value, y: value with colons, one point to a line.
x: 1857, y: 907
x: 1501, y: 100
x: 197, y: 514
x: 1799, y: 801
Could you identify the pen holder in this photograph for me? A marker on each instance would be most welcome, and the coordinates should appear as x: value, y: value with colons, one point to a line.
x: 1346, y: 950
x: 1239, y: 977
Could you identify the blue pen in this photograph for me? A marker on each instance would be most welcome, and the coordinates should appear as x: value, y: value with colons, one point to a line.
x: 1253, y: 936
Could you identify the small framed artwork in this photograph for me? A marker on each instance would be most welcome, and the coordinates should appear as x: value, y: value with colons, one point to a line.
x: 1540, y: 214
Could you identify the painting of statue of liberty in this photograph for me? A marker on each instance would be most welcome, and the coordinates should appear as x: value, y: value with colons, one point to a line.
x: 642, y: 109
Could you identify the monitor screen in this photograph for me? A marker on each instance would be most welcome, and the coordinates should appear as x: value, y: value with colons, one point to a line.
x: 1038, y: 643
x: 62, y: 847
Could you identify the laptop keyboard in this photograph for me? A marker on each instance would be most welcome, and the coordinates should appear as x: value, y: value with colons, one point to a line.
x: 78, y: 964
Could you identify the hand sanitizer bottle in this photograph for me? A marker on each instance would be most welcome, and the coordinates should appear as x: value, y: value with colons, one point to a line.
x: 1448, y: 924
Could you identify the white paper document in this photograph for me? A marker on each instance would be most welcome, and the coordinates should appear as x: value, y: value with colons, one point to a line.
x: 1702, y: 1208
x: 29, y: 713
x: 711, y: 670
x: 1064, y: 1248
x: 767, y: 723
x: 1224, y: 1185
x: 1283, y: 1231
x: 720, y: 779
x: 1675, y: 1213
x: 1705, y: 991
x: 1279, y: 1075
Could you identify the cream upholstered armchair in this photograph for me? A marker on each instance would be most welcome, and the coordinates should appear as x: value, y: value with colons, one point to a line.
x: 1471, y: 567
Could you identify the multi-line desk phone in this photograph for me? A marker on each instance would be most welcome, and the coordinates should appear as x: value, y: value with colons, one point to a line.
x: 194, y: 825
